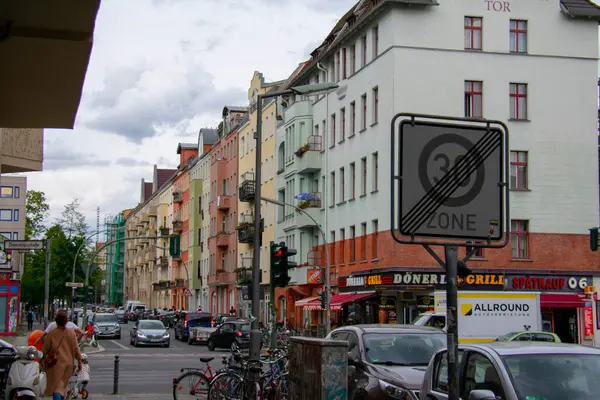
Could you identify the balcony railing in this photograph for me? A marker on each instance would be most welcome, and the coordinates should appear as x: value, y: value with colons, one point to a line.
x: 177, y: 225
x: 221, y: 278
x: 164, y: 285
x: 222, y: 239
x: 245, y: 232
x: 309, y: 200
x: 177, y: 196
x: 163, y: 261
x: 243, y: 275
x: 156, y: 286
x: 180, y: 283
x: 223, y: 202
x: 164, y: 231
x: 246, y: 191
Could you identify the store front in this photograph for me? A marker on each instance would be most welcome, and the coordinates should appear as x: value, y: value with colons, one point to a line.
x: 564, y: 303
x: 10, y: 294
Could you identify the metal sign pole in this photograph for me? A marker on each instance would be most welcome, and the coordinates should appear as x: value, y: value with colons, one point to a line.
x: 451, y: 255
x: 47, y: 282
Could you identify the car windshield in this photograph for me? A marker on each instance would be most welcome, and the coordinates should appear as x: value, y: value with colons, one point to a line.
x: 507, y: 336
x: 245, y: 328
x: 402, y: 348
x: 106, y: 318
x: 151, y: 325
x: 555, y: 376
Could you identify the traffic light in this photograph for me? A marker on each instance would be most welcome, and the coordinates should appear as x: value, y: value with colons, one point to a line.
x: 594, y: 239
x: 323, y: 300
x: 280, y: 264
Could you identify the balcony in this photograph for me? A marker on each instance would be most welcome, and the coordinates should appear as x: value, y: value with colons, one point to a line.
x: 163, y: 262
x: 300, y: 220
x: 308, y: 157
x: 156, y: 286
x: 223, y: 202
x: 222, y: 239
x: 298, y: 108
x: 245, y: 232
x: 21, y: 150
x: 151, y: 232
x: 243, y: 275
x: 180, y: 283
x: 246, y: 189
x: 152, y: 211
x: 177, y: 196
x: 163, y: 285
x: 221, y: 278
x: 164, y: 232
x: 177, y: 225
x: 221, y: 167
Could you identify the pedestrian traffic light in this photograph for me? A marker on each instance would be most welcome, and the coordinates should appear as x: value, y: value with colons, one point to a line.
x: 323, y: 300
x: 594, y: 239
x: 280, y: 264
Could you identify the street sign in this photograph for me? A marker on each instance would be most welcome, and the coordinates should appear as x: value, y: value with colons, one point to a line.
x: 74, y: 284
x: 88, y: 269
x: 451, y: 180
x: 23, y: 244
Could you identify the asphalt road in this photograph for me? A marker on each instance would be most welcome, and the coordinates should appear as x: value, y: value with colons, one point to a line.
x: 144, y: 369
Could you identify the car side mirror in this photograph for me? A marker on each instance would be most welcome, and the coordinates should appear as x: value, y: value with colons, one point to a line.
x: 353, y: 360
x: 482, y: 395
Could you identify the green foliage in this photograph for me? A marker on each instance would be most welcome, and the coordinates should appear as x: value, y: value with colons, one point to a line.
x: 36, y: 208
x: 72, y: 221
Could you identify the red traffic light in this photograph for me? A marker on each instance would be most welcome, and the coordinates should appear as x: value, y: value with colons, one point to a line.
x: 278, y: 253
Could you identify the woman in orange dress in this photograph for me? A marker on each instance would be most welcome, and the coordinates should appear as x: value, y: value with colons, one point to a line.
x: 64, y: 343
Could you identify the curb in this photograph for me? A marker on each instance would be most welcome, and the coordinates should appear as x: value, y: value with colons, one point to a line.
x: 99, y: 349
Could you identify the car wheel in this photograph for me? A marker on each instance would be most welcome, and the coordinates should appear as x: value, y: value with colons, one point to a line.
x: 235, y: 346
x: 118, y: 337
x: 131, y: 341
x: 176, y: 335
x: 210, y: 345
x: 135, y: 343
x: 167, y: 345
x: 190, y: 342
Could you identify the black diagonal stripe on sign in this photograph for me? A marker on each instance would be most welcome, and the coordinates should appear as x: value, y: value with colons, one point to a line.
x: 438, y: 194
x: 445, y: 186
x: 442, y: 197
x: 446, y: 182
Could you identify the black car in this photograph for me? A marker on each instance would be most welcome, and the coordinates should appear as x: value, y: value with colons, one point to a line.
x: 189, y: 320
x: 232, y: 335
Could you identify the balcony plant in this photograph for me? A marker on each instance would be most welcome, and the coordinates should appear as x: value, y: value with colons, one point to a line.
x: 301, y: 150
x: 220, y: 271
x: 242, y: 225
x: 303, y: 204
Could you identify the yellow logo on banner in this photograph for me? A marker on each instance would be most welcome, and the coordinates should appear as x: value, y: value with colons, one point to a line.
x: 466, y: 309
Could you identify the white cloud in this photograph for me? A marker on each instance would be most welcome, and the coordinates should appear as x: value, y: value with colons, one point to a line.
x: 161, y: 69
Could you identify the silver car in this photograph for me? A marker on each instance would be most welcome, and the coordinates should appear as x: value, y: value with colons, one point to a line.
x: 107, y: 326
x: 149, y: 332
x: 517, y: 371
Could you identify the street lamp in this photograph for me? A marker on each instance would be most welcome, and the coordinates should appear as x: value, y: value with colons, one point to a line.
x: 255, y: 334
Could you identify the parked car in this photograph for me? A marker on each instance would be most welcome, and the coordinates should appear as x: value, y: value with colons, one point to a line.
x: 529, y: 336
x: 120, y: 315
x: 232, y: 335
x: 107, y: 325
x: 200, y: 334
x: 167, y: 318
x: 149, y: 332
x: 517, y: 370
x: 387, y: 362
x: 189, y: 320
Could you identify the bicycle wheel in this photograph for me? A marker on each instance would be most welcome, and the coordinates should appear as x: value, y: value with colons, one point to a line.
x: 190, y: 385
x: 226, y: 385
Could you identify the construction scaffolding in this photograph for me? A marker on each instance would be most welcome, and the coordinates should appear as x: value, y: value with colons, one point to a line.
x: 115, y: 259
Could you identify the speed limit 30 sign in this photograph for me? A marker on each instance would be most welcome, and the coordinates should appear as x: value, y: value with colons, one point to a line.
x: 451, y: 180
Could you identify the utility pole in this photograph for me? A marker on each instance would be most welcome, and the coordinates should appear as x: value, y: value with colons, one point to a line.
x: 47, y: 282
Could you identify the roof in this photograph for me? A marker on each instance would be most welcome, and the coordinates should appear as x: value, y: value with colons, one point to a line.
x: 394, y: 328
x: 209, y: 135
x: 163, y: 176
x: 580, y: 9
x: 235, y: 109
x: 521, y: 348
x: 186, y: 146
x: 147, y: 190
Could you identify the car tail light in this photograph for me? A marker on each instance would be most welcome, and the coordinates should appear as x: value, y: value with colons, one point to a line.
x: 239, y: 333
x: 185, y: 322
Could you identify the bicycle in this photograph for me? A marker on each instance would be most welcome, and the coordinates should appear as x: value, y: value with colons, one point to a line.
x: 199, y: 380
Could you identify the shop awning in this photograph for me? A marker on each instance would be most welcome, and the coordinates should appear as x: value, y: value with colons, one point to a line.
x: 338, y: 300
x: 556, y: 300
x: 305, y: 301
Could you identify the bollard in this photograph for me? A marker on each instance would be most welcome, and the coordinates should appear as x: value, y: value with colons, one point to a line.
x: 116, y: 376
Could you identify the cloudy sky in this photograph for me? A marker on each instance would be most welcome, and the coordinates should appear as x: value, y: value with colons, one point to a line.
x: 160, y: 71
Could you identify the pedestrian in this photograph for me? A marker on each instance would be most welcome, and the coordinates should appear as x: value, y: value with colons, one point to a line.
x: 53, y: 325
x: 232, y: 311
x: 60, y: 351
x: 29, y: 320
x: 199, y: 308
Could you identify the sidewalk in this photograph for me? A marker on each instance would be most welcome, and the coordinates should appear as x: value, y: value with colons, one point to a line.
x: 124, y: 396
x: 21, y: 339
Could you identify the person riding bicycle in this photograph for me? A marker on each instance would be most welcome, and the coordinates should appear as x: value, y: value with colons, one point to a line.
x: 83, y: 378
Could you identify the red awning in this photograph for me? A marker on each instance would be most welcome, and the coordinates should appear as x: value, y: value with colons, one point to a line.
x: 338, y: 300
x: 567, y: 300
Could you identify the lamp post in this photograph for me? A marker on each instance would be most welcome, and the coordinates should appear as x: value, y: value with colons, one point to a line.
x: 255, y: 334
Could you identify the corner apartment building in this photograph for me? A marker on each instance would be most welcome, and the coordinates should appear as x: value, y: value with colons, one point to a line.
x: 458, y: 58
x: 199, y: 221
x: 222, y: 242
x: 246, y: 186
x: 13, y: 193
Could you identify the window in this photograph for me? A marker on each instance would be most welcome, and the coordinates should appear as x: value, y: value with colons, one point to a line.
x: 518, y: 170
x: 17, y: 192
x: 352, y: 181
x: 375, y: 239
x: 352, y: 118
x: 223, y: 224
x: 6, y: 192
x: 479, y: 373
x: 342, y: 184
x: 363, y: 242
x: 473, y: 26
x: 474, y: 99
x: 224, y: 187
x: 15, y: 236
x: 6, y: 215
x: 352, y: 243
x: 518, y: 101
x: 7, y: 235
x: 364, y: 51
x: 440, y: 381
x: 332, y: 130
x: 242, y: 146
x: 375, y: 41
x: 375, y: 171
x: 478, y: 251
x: 342, y: 246
x: 332, y: 179
x: 518, y: 36
x: 342, y: 124
x: 353, y: 59
x: 16, y: 215
x: 337, y: 66
x: 344, y: 64
x: 519, y: 237
x: 332, y: 253
x: 363, y: 164
x: 363, y: 101
x: 375, y: 105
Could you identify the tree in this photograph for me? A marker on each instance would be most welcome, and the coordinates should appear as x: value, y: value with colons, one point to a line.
x: 72, y: 221
x: 36, y: 210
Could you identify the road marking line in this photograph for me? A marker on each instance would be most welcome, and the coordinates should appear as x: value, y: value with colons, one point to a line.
x: 120, y: 345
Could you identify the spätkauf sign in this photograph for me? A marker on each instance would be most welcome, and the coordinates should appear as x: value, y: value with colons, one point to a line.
x: 547, y: 283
